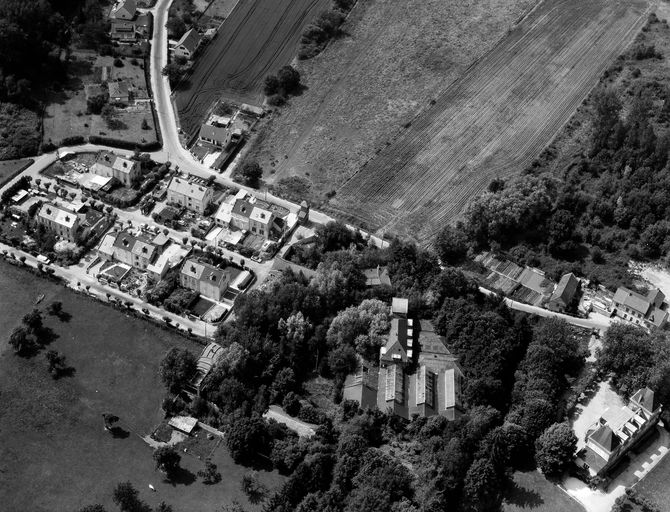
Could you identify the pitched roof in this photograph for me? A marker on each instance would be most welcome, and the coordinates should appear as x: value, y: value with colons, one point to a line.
x: 59, y: 215
x: 118, y: 89
x: 243, y: 208
x: 128, y: 5
x: 204, y: 272
x: 377, y: 276
x: 400, y: 342
x: 261, y: 215
x: 190, y: 40
x: 188, y: 188
x: 604, y: 436
x: 223, y: 213
x: 645, y: 398
x: 215, y: 133
x: 108, y: 159
x: 565, y: 289
x: 632, y: 300
x: 138, y: 245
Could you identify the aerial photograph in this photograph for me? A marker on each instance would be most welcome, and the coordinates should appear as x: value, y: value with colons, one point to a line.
x: 334, y: 255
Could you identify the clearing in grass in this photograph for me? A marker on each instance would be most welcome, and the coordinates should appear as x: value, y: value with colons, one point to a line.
x: 531, y: 491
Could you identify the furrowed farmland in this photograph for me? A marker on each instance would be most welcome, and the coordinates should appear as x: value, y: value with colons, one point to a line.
x: 256, y: 39
x: 494, y: 120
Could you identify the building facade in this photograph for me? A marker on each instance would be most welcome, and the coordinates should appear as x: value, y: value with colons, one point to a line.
x: 646, y: 311
x: 208, y: 280
x: 191, y: 195
x: 61, y: 221
x: 123, y: 169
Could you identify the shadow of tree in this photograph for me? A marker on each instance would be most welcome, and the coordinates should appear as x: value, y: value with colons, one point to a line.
x: 119, y: 433
x: 64, y: 316
x: 68, y: 371
x: 527, y: 498
x: 180, y: 476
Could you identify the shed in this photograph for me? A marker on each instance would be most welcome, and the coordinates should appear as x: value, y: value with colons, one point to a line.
x: 185, y: 424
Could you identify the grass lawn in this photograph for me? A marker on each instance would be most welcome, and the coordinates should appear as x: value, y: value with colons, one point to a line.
x: 66, y: 115
x: 533, y: 492
x: 54, y: 452
x: 654, y: 486
x: 10, y: 168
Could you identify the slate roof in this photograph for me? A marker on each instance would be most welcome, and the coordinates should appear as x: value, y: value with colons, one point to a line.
x: 215, y: 133
x: 565, y: 289
x: 187, y: 188
x: 203, y: 272
x: 645, y: 398
x: 118, y: 89
x: 190, y: 40
x: 58, y: 215
x: 633, y: 300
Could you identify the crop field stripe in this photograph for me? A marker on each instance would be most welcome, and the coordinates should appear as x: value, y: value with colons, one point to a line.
x: 494, y: 119
x: 256, y: 39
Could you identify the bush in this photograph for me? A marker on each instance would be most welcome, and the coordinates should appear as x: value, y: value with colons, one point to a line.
x: 74, y: 140
x: 291, y: 404
x: 118, y: 63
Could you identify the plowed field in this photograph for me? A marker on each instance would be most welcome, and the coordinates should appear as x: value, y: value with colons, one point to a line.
x: 494, y: 120
x: 258, y: 38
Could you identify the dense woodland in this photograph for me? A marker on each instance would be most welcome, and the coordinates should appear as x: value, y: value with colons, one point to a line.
x: 609, y: 203
x: 293, y: 330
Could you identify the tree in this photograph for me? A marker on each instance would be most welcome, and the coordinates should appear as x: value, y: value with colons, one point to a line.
x: 254, y: 490
x: 291, y: 404
x: 145, y: 124
x: 210, y: 475
x: 33, y: 321
x: 555, y: 449
x: 451, y: 245
x: 95, y: 104
x: 173, y: 71
x: 248, y: 440
x: 177, y: 368
x: 251, y: 173
x: 127, y: 498
x: 164, y: 507
x: 289, y: 79
x: 176, y: 26
x: 482, y: 487
x: 22, y: 342
x: 56, y: 363
x: 55, y: 308
x: 167, y: 460
x: 271, y: 85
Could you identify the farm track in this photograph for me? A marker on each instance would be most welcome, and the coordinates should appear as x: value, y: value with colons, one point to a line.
x: 494, y: 120
x: 256, y: 39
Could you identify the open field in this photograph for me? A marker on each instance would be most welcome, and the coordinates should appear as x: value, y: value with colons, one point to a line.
x: 54, y: 452
x: 220, y: 8
x: 533, y: 493
x: 393, y: 59
x: 66, y: 115
x: 10, y: 168
x: 494, y: 120
x: 256, y: 39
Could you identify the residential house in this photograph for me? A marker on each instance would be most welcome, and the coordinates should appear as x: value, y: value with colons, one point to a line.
x: 564, y: 293
x: 378, y: 276
x: 208, y: 280
x: 261, y: 221
x: 215, y: 135
x: 619, y: 430
x: 646, y: 311
x: 123, y: 169
x: 171, y: 257
x: 119, y: 92
x: 137, y: 250
x: 188, y: 193
x: 124, y: 10
x: 127, y: 24
x: 187, y: 45
x: 432, y: 386
x: 240, y: 214
x: 61, y: 221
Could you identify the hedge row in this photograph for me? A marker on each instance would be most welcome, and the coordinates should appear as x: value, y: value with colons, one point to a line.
x: 124, y: 144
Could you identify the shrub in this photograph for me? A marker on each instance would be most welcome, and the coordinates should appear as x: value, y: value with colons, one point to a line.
x: 118, y: 63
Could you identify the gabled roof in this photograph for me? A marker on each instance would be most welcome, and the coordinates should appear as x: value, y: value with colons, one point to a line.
x: 215, y: 133
x: 377, y: 276
x: 632, y: 300
x: 260, y: 215
x: 188, y: 188
x: 59, y: 215
x: 223, y: 214
x: 118, y: 89
x: 565, y: 289
x: 204, y: 272
x: 190, y: 40
x: 400, y: 342
x: 243, y: 208
x: 129, y: 6
x: 645, y: 399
